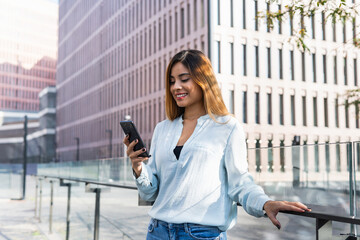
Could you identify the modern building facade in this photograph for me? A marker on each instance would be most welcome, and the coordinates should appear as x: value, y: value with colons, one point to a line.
x: 113, y: 56
x: 28, y: 52
x: 40, y: 133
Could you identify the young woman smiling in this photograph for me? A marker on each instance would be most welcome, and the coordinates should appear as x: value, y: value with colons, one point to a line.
x: 198, y: 169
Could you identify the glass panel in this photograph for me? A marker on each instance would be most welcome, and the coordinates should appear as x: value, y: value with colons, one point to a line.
x: 313, y: 174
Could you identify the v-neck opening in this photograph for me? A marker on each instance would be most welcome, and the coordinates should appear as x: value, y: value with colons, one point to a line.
x: 199, y: 123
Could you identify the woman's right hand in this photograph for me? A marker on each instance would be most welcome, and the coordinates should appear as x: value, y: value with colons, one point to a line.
x: 134, y: 156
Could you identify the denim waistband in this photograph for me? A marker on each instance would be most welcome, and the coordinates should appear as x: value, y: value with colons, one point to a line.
x: 186, y: 226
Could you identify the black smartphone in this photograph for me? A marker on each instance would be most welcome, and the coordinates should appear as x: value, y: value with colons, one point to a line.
x: 129, y: 128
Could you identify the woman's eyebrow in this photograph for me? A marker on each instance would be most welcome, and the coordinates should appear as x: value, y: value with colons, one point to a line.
x: 180, y: 75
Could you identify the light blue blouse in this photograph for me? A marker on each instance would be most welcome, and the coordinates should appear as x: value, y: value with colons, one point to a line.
x: 207, y: 181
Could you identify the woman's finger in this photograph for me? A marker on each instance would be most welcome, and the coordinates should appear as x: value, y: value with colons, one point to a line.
x: 137, y: 153
x: 130, y: 147
x: 126, y: 140
x: 272, y: 217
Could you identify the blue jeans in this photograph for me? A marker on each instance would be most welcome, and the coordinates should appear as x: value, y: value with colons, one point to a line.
x: 160, y: 230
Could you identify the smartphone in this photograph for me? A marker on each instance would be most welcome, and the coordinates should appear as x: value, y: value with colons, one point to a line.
x: 129, y: 128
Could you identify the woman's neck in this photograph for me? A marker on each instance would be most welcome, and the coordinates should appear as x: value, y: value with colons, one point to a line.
x: 193, y: 113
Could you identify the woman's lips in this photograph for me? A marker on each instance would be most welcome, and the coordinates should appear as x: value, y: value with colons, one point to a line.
x: 180, y: 96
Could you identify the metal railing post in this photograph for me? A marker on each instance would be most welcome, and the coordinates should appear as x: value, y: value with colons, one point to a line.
x: 40, y: 200
x: 51, y: 205
x: 36, y: 194
x: 97, y: 207
x: 97, y: 214
x: 351, y: 184
x: 68, y: 185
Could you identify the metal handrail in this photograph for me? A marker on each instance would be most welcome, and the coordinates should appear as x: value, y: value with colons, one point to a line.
x: 320, y: 213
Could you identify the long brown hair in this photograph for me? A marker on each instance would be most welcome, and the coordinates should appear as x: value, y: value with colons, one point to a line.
x: 202, y: 74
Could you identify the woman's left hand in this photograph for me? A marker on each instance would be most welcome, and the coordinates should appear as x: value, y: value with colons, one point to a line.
x: 273, y: 207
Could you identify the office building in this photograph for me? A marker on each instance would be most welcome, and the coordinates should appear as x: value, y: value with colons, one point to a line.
x: 113, y: 56
x: 28, y: 52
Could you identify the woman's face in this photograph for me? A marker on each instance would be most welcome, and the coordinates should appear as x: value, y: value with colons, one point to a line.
x: 183, y: 89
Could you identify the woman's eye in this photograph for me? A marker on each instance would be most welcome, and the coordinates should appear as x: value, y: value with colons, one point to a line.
x: 172, y: 82
x: 185, y: 80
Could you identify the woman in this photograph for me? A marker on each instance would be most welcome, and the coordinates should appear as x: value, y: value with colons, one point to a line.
x: 198, y: 169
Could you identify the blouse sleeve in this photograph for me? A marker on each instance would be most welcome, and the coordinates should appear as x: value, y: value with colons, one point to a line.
x: 147, y: 183
x: 241, y: 186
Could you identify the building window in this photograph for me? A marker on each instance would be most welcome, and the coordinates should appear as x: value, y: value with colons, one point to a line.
x: 267, y: 20
x: 195, y: 15
x: 232, y: 58
x: 257, y: 108
x: 335, y: 69
x: 315, y: 112
x: 280, y: 64
x: 257, y: 74
x: 326, y: 121
x: 282, y: 156
x: 337, y: 112
x: 345, y: 71
x: 323, y: 25
x: 338, y: 163
x: 279, y: 22
x: 324, y: 69
x: 244, y: 98
x: 244, y: 60
x: 218, y: 12
x: 159, y: 36
x: 355, y: 73
x: 357, y: 116
x: 306, y: 157
x: 231, y: 13
x: 292, y: 75
x: 231, y: 102
x: 292, y: 103
x: 316, y: 156
x: 256, y: 15
x: 244, y: 14
x: 291, y: 21
x: 268, y: 62
x: 269, y: 115
x: 182, y: 22
x: 334, y: 31
x: 314, y: 66
x: 270, y: 156
x: 312, y: 19
x: 170, y: 29
x: 165, y: 33
x: 344, y: 32
x: 258, y: 155
x: 303, y: 68
x: 176, y: 26
x: 304, y: 110
x: 188, y: 18
x: 347, y: 114
x: 217, y: 57
x: 327, y: 156
x: 202, y: 13
x: 281, y: 108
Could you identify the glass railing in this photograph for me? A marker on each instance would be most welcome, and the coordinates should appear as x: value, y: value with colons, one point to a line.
x: 313, y: 174
x: 114, y: 170
x: 318, y: 174
x: 11, y: 176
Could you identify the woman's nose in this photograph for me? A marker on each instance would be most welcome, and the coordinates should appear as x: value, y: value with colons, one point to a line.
x: 177, y: 84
